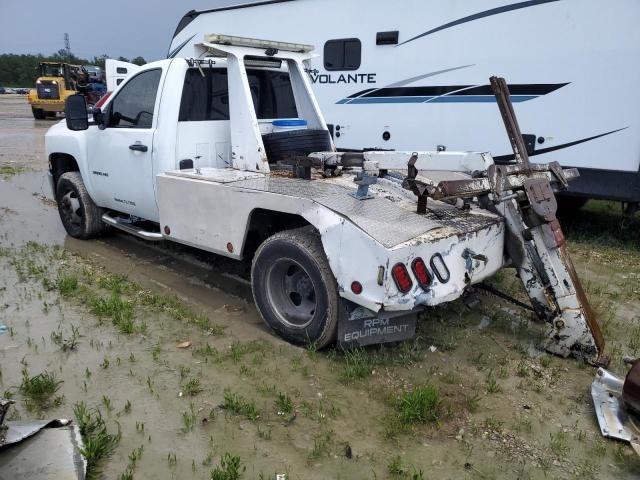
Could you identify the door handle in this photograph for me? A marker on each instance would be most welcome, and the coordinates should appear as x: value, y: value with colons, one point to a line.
x: 138, y: 147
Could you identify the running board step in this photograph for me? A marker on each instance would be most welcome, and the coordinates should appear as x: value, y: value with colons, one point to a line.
x: 133, y: 230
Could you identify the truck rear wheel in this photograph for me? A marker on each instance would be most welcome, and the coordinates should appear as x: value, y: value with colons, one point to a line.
x: 294, y: 288
x: 80, y: 216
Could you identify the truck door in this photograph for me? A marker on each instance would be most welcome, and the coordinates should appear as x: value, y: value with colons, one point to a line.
x: 120, y: 156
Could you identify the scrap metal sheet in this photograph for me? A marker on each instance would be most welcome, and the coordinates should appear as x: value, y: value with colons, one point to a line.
x: 47, y: 453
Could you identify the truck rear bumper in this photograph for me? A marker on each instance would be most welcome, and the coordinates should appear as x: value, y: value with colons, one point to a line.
x: 453, y: 263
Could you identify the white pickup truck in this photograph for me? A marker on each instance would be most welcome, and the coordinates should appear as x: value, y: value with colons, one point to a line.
x: 228, y: 152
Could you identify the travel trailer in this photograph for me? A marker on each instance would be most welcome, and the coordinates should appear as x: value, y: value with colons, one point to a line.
x: 412, y: 74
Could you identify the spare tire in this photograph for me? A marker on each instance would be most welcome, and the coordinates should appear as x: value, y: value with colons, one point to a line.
x: 283, y: 145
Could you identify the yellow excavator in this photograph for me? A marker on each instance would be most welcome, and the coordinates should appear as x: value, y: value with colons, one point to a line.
x: 56, y: 81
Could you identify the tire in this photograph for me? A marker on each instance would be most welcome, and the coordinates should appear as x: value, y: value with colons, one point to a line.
x: 38, y: 113
x: 294, y: 288
x: 282, y: 145
x: 80, y: 216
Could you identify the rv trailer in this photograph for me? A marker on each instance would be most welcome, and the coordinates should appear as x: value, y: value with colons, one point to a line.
x: 413, y: 73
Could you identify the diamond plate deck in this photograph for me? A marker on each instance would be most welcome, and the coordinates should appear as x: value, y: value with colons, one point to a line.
x: 386, y: 222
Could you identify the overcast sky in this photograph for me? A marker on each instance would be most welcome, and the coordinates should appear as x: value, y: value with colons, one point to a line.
x: 127, y: 28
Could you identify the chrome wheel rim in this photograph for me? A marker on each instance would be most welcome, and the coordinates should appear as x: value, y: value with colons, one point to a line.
x: 71, y: 208
x: 291, y: 293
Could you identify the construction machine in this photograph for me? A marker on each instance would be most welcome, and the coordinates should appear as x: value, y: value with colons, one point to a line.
x: 56, y: 81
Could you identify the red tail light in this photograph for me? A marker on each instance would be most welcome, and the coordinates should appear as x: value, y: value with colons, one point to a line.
x: 420, y: 271
x: 401, y: 277
x: 104, y: 98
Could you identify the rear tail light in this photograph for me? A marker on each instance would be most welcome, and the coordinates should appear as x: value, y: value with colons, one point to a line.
x: 440, y: 268
x: 420, y: 271
x: 401, y: 276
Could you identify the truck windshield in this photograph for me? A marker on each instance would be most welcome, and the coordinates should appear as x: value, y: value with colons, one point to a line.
x: 207, y: 98
x: 51, y: 70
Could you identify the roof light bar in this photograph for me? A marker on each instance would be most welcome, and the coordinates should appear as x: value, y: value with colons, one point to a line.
x: 256, y: 43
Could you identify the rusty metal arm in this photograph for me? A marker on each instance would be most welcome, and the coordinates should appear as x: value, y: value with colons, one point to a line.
x: 484, y: 185
x: 503, y: 97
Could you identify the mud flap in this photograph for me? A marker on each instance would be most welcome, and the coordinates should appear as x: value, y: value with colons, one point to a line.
x: 360, y: 326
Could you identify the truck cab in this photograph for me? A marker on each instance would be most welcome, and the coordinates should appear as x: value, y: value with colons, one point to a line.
x: 168, y: 115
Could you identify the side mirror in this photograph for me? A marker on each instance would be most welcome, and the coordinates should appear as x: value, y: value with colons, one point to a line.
x: 75, y: 113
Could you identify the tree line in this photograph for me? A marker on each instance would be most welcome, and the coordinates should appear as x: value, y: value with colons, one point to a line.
x: 22, y: 70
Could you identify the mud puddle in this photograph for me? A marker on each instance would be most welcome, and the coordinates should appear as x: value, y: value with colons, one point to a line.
x: 503, y: 409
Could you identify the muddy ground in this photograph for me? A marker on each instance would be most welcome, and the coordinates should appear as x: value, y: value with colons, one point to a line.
x: 104, y: 319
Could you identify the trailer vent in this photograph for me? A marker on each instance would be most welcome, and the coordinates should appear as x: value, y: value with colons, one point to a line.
x: 387, y: 38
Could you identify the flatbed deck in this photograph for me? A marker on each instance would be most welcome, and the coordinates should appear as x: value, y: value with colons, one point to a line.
x: 389, y: 217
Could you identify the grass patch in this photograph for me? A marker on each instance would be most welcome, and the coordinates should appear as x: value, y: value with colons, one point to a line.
x: 66, y: 344
x: 238, y: 405
x: 230, y: 468
x: 626, y: 459
x: 357, y: 365
x: 39, y: 390
x: 239, y: 349
x: 284, y: 405
x: 98, y: 442
x: 10, y: 170
x: 600, y: 223
x: 113, y: 307
x: 321, y: 445
x: 397, y: 470
x: 421, y: 405
x: 558, y: 444
x: 192, y: 387
x: 188, y: 420
x: 67, y: 285
x: 492, y: 384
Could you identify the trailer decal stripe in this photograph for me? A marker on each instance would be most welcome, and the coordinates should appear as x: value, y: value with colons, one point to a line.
x: 441, y: 99
x: 477, y: 16
x: 448, y: 94
x: 407, y: 81
x: 507, y: 158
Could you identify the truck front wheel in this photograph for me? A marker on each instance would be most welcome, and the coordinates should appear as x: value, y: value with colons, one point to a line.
x: 80, y: 216
x: 294, y: 288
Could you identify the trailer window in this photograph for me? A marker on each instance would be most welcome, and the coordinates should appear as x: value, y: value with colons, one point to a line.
x: 343, y: 54
x: 207, y: 98
x: 134, y: 105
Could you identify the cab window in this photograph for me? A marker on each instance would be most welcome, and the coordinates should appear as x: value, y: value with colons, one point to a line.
x: 207, y: 97
x: 134, y: 105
